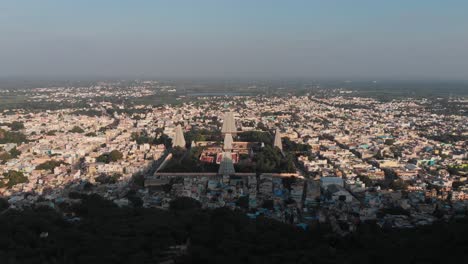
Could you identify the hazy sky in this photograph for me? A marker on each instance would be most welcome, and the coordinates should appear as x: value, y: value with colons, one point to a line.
x: 403, y: 39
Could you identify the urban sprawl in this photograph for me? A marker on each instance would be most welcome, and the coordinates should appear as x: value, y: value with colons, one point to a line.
x: 299, y: 159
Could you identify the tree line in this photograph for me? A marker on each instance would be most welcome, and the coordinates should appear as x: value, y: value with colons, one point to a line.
x: 101, y: 232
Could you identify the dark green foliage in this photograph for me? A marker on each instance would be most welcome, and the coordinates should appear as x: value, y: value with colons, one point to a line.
x: 115, y: 155
x: 108, y: 179
x: 11, y: 137
x: 13, y: 153
x: 256, y: 136
x: 292, y: 146
x: 87, y: 112
x: 261, y: 126
x: 245, y: 165
x: 103, y: 158
x: 163, y: 139
x: 398, y: 185
x: 129, y: 111
x: 366, y: 180
x: 51, y: 133
x: 269, y: 113
x: 91, y: 134
x: 15, y: 125
x: 270, y: 159
x: 457, y: 169
x: 138, y: 180
x: 11, y: 178
x: 49, y: 165
x: 457, y: 184
x: 112, y: 156
x: 448, y: 138
x: 5, y: 156
x: 188, y: 161
x: 287, y: 164
x: 141, y: 138
x: 390, y: 174
x: 109, y: 234
x: 194, y: 135
x: 76, y: 129
x: 267, y: 159
x: 160, y: 138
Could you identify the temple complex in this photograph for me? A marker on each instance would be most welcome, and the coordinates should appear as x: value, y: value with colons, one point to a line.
x: 218, y: 158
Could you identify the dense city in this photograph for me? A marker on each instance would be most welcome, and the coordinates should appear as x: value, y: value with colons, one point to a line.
x: 300, y: 159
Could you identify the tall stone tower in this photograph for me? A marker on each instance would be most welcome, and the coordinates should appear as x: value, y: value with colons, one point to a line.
x: 229, y: 124
x: 179, y: 140
x: 226, y: 167
x: 277, y: 143
x: 228, y: 142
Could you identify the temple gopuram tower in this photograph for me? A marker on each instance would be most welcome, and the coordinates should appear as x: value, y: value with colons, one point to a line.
x: 277, y: 142
x: 179, y: 140
x: 229, y: 124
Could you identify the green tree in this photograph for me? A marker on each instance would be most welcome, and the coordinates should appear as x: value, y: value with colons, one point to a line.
x: 104, y: 158
x: 194, y: 135
x: 398, y: 185
x: 287, y: 164
x: 291, y: 146
x: 49, y: 165
x: 14, y: 152
x: 76, y: 129
x: 14, y: 177
x: 16, y: 125
x: 5, y: 156
x: 261, y: 126
x: 366, y: 180
x: 268, y: 159
x: 138, y: 180
x: 51, y: 133
x: 256, y: 136
x: 11, y: 137
x: 141, y: 138
x: 115, y: 155
x: 106, y: 179
x: 112, y: 156
x: 163, y: 139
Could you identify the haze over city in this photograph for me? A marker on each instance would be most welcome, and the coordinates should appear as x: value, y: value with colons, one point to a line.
x: 235, y: 39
